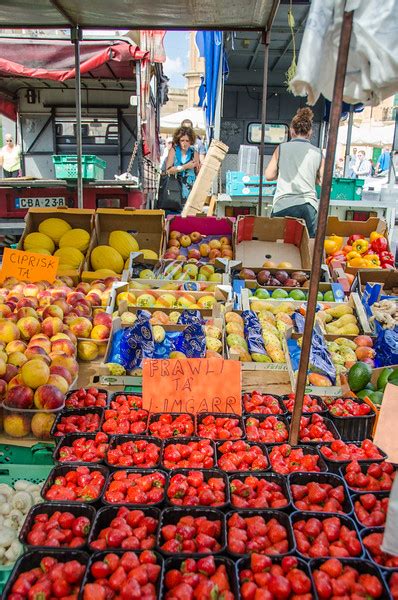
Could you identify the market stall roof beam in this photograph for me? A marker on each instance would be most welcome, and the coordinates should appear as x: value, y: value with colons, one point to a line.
x: 140, y: 14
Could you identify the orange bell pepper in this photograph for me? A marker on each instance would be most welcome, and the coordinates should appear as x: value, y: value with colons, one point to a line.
x: 360, y: 246
x: 374, y: 235
x: 346, y: 249
x: 337, y: 239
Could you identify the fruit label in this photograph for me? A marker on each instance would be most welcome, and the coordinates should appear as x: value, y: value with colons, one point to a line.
x: 28, y: 266
x: 192, y: 385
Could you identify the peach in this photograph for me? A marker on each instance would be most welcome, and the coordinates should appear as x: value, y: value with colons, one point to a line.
x: 44, y: 298
x: 51, y: 325
x: 225, y: 241
x: 5, y: 310
x: 99, y: 332
x: 94, y: 299
x: 62, y: 372
x: 363, y: 340
x: 101, y: 349
x: 173, y: 242
x: 8, y: 331
x: 181, y: 258
x: 81, y: 327
x: 15, y: 346
x: 204, y: 250
x: 19, y: 396
x: 16, y: 380
x: 215, y: 244
x: 16, y: 425
x: 53, y: 310
x: 42, y: 342
x: 37, y: 352
x: 71, y: 336
x: 363, y: 352
x: 98, y: 285
x: 103, y: 318
x: 68, y: 362
x: 28, y: 326
x: 83, y: 287
x: 214, y: 253
x: 59, y: 382
x: 82, y: 310
x: 87, y: 350
x: 58, y: 293
x: 62, y: 304
x: 31, y: 289
x: 35, y: 373
x: 48, y: 397
x: 3, y: 388
x: 227, y: 253
x: 41, y: 425
x: 3, y: 367
x: 63, y: 346
x: 59, y: 336
x: 11, y: 372
x: 26, y: 311
x: 17, y: 358
x: 74, y: 298
x: 194, y: 253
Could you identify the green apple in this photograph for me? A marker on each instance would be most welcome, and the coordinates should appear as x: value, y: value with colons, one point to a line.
x: 279, y: 294
x: 262, y: 294
x: 297, y: 295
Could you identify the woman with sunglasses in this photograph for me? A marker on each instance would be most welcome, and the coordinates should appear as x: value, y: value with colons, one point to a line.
x: 10, y: 158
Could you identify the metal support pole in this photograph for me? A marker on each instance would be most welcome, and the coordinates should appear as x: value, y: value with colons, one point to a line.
x: 335, y: 114
x: 76, y: 36
x: 347, y: 156
x: 266, y: 41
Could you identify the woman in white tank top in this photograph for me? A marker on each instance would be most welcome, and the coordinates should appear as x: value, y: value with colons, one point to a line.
x: 298, y: 167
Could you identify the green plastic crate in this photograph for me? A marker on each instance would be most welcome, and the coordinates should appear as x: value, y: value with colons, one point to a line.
x: 10, y: 473
x: 66, y: 167
x: 39, y: 454
x: 344, y: 188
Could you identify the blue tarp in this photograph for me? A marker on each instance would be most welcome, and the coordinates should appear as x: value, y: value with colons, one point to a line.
x: 210, y: 46
x: 345, y: 110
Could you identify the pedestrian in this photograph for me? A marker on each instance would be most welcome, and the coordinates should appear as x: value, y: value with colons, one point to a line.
x: 339, y: 168
x: 363, y: 166
x: 165, y: 153
x: 383, y: 164
x: 297, y: 165
x: 10, y: 158
x: 183, y: 160
x: 199, y: 144
x: 351, y: 163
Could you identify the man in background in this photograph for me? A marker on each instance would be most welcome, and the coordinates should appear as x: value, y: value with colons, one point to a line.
x: 383, y: 164
x: 351, y: 164
x: 10, y: 158
x: 363, y: 166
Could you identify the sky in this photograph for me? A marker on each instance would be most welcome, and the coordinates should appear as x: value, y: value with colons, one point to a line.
x: 176, y: 44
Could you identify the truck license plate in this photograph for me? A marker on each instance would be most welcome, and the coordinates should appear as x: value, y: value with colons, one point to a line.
x: 52, y: 202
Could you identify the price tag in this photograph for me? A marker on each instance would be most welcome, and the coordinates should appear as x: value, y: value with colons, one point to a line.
x: 192, y: 385
x: 28, y: 266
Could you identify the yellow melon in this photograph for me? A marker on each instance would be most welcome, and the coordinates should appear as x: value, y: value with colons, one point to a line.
x: 38, y: 240
x: 54, y: 228
x: 105, y: 257
x: 104, y: 273
x: 70, y: 256
x: 149, y: 253
x: 123, y: 242
x: 75, y: 238
x: 42, y: 251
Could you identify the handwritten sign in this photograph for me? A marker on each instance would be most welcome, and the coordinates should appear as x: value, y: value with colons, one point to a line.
x: 192, y: 385
x: 28, y: 266
x: 385, y: 436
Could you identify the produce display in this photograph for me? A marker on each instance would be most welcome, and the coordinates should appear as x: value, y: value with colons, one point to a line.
x: 201, y: 504
x: 360, y: 252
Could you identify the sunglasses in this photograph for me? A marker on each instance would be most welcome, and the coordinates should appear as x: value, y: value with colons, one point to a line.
x: 9, y: 140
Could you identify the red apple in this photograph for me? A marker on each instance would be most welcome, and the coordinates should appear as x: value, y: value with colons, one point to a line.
x: 20, y: 396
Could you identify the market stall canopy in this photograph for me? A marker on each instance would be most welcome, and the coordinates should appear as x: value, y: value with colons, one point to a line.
x: 368, y: 135
x: 174, y: 120
x: 139, y: 14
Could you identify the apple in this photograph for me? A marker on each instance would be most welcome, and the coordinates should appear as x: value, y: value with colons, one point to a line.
x: 214, y: 253
x: 215, y: 244
x: 173, y: 242
x: 194, y: 253
x: 175, y: 235
x: 195, y: 237
x: 185, y: 241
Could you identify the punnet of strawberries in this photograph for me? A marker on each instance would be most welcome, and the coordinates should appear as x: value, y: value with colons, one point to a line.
x: 139, y: 453
x: 344, y: 451
x: 61, y: 529
x: 316, y: 538
x: 270, y: 430
x: 336, y: 578
x: 190, y: 534
x: 82, y: 484
x: 125, y: 420
x: 241, y: 456
x: 372, y: 542
x: 315, y: 496
x: 257, y: 533
x: 129, y: 401
x: 123, y: 577
x: 311, y: 404
x: 206, y: 578
x: 85, y: 449
x: 86, y: 398
x: 266, y: 578
x: 371, y: 510
x: 53, y: 578
x: 196, y: 488
x: 393, y: 585
x: 314, y: 429
x: 220, y: 427
x: 127, y: 487
x: 257, y: 492
x: 167, y: 426
x: 84, y: 423
x: 190, y: 454
x: 129, y: 529
x: 346, y: 407
x: 263, y: 404
x: 376, y: 477
x: 286, y: 459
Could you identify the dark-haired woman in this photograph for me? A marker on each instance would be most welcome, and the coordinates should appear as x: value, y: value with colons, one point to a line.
x: 298, y: 167
x: 183, y: 160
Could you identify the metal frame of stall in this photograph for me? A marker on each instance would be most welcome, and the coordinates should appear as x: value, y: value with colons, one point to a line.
x: 76, y: 33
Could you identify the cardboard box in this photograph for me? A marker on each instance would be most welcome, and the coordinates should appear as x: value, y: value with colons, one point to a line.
x: 78, y: 218
x: 210, y: 227
x: 387, y: 278
x: 147, y: 226
x: 277, y: 239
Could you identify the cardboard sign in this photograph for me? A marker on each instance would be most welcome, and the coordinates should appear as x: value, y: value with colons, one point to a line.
x: 192, y: 385
x: 28, y: 266
x: 385, y: 436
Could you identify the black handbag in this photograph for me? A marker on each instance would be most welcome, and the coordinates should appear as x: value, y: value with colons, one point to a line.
x: 170, y: 193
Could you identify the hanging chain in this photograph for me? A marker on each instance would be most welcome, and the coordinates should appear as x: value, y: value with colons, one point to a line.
x: 132, y: 159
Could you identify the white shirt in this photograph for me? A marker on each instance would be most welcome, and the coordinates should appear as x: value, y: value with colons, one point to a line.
x: 362, y: 168
x: 11, y: 158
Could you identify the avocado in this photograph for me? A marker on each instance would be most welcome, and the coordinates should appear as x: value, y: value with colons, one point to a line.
x: 383, y: 378
x: 359, y: 376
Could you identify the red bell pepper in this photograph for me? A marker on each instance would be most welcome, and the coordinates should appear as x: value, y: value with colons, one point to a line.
x: 387, y: 259
x: 352, y: 238
x: 380, y: 245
